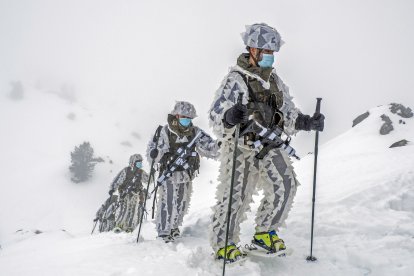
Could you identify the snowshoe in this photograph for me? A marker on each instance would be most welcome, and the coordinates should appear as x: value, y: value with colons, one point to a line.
x: 129, y: 230
x: 175, y: 233
x: 118, y: 230
x: 166, y: 238
x: 269, y: 242
x: 258, y: 251
x: 233, y: 254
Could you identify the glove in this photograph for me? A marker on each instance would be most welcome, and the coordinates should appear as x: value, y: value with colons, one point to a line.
x: 317, y: 122
x: 153, y: 153
x: 111, y: 192
x: 306, y: 122
x: 235, y: 115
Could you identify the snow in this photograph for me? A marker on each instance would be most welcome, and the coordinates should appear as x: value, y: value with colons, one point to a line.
x: 364, y: 222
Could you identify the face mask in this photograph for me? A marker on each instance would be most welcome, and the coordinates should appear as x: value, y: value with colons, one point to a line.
x: 185, y: 121
x: 267, y: 61
x: 138, y: 165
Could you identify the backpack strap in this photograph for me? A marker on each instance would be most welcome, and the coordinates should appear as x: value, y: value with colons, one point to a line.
x: 249, y: 88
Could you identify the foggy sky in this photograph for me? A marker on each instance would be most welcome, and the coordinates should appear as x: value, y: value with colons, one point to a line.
x: 355, y: 54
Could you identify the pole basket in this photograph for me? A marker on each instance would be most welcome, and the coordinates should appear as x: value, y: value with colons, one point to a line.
x: 311, y: 259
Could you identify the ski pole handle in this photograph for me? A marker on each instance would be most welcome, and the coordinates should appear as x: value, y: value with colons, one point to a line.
x: 318, y: 105
x: 240, y: 98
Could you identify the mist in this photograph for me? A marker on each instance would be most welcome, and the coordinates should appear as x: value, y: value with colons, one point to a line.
x: 133, y: 59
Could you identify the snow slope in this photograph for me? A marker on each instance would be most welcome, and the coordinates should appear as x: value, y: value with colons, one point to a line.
x: 364, y: 210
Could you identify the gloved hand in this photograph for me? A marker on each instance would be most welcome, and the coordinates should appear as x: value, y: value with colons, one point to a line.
x: 306, y: 122
x: 317, y: 122
x: 154, y: 153
x: 235, y: 115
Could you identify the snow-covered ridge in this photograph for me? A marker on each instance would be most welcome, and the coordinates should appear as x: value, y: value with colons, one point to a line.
x: 364, y: 221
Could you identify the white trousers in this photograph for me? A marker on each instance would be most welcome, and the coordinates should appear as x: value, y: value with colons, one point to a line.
x: 274, y: 174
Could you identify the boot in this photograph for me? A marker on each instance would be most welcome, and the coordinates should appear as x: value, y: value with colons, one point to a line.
x: 269, y: 241
x: 233, y: 254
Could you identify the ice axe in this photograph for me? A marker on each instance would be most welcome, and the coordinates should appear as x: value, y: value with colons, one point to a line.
x: 312, y: 258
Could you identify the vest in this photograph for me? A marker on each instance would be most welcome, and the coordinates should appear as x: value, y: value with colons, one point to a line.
x: 263, y: 104
x: 132, y: 181
x: 193, y: 161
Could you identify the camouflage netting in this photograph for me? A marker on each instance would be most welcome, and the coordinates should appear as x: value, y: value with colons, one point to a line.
x: 134, y: 158
x: 274, y: 174
x: 226, y: 97
x: 174, y: 195
x: 185, y: 109
x: 262, y: 36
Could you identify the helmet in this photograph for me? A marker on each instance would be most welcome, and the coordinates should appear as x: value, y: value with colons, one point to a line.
x: 184, y: 109
x: 134, y: 158
x: 262, y: 36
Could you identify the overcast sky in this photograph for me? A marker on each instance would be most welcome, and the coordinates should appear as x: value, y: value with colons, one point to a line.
x: 355, y: 54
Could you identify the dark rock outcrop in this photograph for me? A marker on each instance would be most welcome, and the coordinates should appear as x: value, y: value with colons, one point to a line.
x: 360, y: 118
x: 387, y: 126
x: 401, y: 143
x: 401, y: 110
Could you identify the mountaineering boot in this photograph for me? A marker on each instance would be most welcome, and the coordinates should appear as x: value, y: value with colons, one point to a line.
x: 175, y: 233
x: 117, y: 229
x: 233, y: 254
x: 269, y: 241
x: 129, y: 230
x: 166, y: 238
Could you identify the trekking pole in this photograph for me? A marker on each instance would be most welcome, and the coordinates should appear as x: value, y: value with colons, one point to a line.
x: 93, y: 229
x: 152, y: 172
x: 233, y: 173
x: 318, y: 110
x: 155, y: 200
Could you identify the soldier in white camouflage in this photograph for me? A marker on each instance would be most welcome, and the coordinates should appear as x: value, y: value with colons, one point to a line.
x: 175, y: 193
x: 129, y: 185
x: 266, y: 100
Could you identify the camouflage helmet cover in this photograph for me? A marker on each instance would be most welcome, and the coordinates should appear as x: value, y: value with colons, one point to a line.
x: 135, y: 158
x: 262, y: 36
x: 185, y: 109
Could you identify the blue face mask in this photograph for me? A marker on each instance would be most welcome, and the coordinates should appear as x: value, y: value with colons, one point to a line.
x: 138, y: 165
x: 185, y: 121
x: 267, y: 61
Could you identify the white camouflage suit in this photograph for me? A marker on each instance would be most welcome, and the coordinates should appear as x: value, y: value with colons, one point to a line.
x: 174, y: 195
x: 131, y: 194
x: 274, y: 174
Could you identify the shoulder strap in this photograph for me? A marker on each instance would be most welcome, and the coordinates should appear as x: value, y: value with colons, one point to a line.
x: 249, y: 88
x: 157, y: 134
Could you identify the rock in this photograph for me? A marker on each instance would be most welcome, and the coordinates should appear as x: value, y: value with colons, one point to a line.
x: 387, y: 126
x: 71, y: 116
x: 98, y: 159
x: 401, y: 143
x: 401, y: 110
x: 126, y: 144
x: 136, y: 135
x: 360, y: 118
